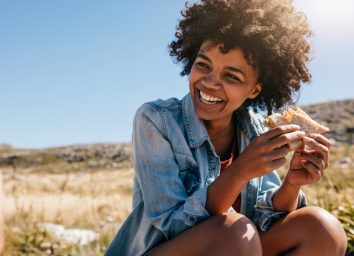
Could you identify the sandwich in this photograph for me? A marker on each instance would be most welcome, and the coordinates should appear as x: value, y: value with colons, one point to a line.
x: 298, y: 117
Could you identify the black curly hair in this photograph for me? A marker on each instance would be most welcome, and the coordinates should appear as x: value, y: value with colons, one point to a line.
x: 272, y: 34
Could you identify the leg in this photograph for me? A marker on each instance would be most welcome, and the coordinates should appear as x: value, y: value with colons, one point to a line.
x: 307, y: 231
x: 230, y: 234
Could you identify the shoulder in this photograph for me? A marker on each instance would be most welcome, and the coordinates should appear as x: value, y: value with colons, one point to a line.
x: 159, y: 112
x: 160, y: 105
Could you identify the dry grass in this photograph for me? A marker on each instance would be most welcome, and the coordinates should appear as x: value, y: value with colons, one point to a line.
x: 100, y: 200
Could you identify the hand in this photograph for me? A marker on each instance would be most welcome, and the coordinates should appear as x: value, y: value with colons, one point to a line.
x: 267, y: 152
x: 308, y: 166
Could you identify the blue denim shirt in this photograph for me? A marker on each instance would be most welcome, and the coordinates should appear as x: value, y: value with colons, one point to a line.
x: 175, y: 162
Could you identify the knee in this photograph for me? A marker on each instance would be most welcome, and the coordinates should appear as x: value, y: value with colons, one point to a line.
x: 239, y: 234
x: 324, y: 227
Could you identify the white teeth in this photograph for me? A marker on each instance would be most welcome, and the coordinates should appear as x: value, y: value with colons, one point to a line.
x: 209, y: 99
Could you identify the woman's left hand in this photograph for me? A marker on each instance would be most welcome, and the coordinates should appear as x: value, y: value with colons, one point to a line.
x: 308, y: 166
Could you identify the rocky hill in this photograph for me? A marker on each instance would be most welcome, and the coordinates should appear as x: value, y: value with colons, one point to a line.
x: 70, y: 158
x: 337, y: 115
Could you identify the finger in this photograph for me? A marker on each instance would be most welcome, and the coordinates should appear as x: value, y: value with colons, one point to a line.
x: 312, y: 170
x: 316, y: 154
x: 321, y: 139
x: 300, y: 149
x: 275, y: 164
x: 280, y: 130
x: 277, y: 153
x: 319, y: 163
x: 321, y: 149
x: 286, y: 138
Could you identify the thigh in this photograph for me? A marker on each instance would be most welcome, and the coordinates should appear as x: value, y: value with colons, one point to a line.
x: 281, y: 237
x: 306, y: 231
x: 207, y: 236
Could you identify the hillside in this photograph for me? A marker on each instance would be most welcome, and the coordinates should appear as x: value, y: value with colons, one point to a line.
x: 66, y: 159
x: 337, y: 115
x: 86, y: 190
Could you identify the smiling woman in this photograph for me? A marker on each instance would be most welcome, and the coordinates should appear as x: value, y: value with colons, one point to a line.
x: 205, y: 182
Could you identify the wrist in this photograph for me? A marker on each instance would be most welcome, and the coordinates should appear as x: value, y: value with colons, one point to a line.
x: 241, y: 173
x: 290, y: 185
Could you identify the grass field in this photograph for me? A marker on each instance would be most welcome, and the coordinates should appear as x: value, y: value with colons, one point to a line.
x: 99, y: 200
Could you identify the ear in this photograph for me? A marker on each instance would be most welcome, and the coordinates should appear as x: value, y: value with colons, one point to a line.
x: 255, y: 91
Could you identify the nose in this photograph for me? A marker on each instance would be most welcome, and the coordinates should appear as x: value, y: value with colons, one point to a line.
x: 212, y: 81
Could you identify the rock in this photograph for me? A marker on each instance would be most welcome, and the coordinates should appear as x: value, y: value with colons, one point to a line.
x: 92, y: 164
x: 346, y: 160
x: 46, y: 182
x: 20, y: 177
x: 70, y: 236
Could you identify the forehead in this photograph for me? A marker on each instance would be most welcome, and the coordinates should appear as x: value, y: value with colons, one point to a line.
x: 233, y: 56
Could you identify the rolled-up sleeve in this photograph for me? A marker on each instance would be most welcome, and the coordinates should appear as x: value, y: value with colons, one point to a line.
x: 167, y: 203
x: 265, y: 213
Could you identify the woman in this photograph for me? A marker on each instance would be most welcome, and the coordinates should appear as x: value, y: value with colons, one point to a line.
x: 204, y: 181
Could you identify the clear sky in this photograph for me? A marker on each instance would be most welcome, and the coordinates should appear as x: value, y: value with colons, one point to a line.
x: 74, y: 72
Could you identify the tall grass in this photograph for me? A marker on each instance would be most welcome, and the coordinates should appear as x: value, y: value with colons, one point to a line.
x: 100, y: 200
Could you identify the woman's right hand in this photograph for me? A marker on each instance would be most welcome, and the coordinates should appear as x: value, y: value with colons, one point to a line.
x: 267, y: 152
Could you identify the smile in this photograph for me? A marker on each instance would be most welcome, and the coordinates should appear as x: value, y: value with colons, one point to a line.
x: 208, y: 99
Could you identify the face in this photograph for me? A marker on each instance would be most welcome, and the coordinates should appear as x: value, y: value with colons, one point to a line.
x: 220, y: 82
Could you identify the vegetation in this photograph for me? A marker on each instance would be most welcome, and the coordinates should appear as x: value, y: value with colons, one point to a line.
x: 90, y: 187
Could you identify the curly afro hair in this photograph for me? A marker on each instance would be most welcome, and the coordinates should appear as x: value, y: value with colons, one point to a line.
x: 271, y: 33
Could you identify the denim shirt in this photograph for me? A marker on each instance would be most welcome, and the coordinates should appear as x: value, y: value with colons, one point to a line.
x: 175, y: 162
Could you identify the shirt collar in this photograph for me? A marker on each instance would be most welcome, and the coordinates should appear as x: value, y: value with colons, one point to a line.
x: 246, y: 120
x: 195, y: 128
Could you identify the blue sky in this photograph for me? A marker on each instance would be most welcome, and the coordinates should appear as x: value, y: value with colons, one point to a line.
x: 75, y: 72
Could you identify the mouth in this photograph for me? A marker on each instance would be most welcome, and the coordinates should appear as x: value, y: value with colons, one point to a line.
x: 209, y: 99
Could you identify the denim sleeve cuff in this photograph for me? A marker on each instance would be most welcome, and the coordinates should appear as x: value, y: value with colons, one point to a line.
x: 194, y: 207
x: 192, y: 212
x: 266, y: 215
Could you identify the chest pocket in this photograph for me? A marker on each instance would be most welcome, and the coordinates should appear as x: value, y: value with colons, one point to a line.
x: 188, y: 173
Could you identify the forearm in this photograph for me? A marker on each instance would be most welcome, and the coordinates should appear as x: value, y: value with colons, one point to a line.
x: 224, y: 190
x: 287, y: 197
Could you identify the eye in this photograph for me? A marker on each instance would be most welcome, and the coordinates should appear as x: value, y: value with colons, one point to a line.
x: 202, y: 65
x: 232, y: 77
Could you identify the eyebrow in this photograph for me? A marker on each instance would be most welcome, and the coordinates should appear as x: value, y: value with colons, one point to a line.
x: 202, y: 56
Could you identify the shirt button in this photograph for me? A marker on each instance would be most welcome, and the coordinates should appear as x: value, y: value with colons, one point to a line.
x: 193, y: 219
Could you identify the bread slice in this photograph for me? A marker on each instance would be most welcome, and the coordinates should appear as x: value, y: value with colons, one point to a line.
x: 299, y: 117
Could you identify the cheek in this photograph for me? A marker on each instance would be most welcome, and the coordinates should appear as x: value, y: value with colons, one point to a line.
x: 192, y: 75
x: 237, y: 97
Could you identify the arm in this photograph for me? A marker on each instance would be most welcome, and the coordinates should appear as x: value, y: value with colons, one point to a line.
x: 286, y: 198
x: 167, y: 203
x: 306, y: 167
x: 263, y: 155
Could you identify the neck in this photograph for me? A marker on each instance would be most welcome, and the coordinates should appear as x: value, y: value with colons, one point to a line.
x: 220, y: 128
